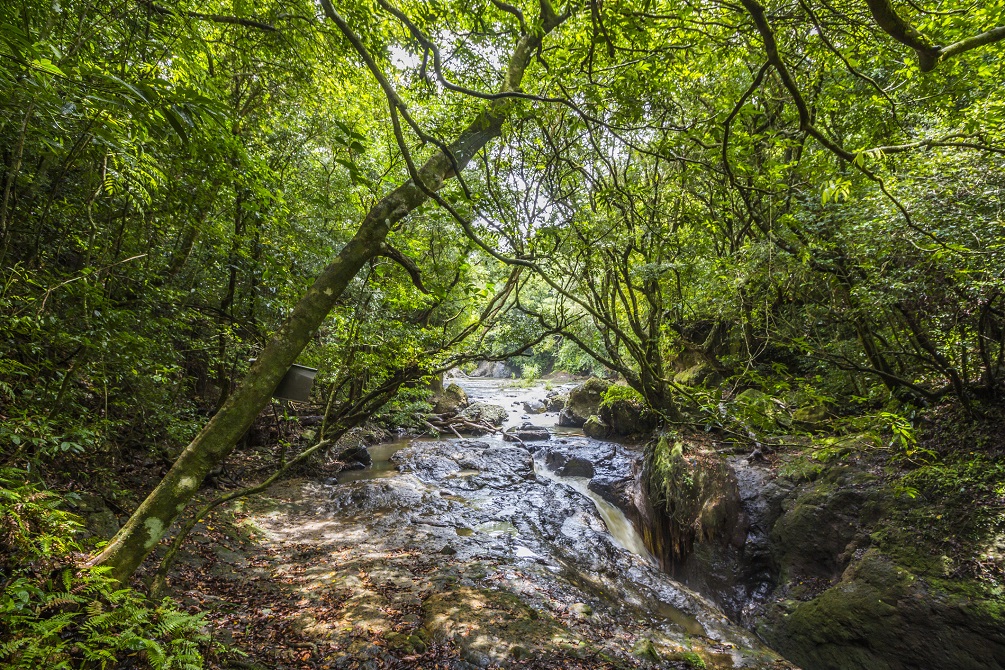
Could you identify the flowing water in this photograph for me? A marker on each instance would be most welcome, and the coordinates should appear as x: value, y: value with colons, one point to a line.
x: 507, y: 558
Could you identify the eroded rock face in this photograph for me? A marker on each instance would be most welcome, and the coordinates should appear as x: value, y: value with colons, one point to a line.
x: 801, y: 566
x: 583, y: 402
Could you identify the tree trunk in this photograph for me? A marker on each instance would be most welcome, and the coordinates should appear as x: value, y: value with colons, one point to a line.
x: 213, y: 444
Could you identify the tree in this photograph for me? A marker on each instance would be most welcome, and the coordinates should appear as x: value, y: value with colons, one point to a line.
x: 149, y: 523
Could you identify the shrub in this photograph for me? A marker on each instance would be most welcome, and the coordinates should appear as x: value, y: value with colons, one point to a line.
x: 54, y: 616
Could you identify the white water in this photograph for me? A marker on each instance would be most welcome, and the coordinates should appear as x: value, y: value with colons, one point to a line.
x: 618, y: 525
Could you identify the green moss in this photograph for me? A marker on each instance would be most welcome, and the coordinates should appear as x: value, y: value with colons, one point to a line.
x: 617, y: 392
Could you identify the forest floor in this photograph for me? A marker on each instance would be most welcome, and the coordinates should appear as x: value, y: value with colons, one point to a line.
x: 280, y: 591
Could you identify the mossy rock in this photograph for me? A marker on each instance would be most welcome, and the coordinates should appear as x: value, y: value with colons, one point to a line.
x: 596, y: 428
x: 625, y: 412
x: 451, y: 401
x: 826, y: 521
x: 880, y: 615
x: 700, y: 374
x: 583, y: 402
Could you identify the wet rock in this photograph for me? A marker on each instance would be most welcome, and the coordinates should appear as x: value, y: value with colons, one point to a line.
x: 596, y: 428
x: 584, y: 401
x: 535, y: 407
x: 451, y: 401
x: 576, y: 467
x: 528, y: 432
x: 355, y: 457
x: 698, y: 517
x: 483, y: 411
x: 525, y: 547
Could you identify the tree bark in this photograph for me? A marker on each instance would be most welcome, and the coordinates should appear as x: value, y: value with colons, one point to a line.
x: 213, y: 444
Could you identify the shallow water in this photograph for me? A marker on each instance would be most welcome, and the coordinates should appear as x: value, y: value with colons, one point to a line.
x: 494, y: 515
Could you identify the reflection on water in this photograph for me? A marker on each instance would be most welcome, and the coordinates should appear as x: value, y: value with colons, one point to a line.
x: 497, y: 528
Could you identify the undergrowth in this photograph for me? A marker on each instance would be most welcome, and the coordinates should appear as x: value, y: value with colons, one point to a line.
x: 56, y: 616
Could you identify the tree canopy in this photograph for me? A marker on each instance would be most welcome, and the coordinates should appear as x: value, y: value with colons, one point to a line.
x: 808, y: 190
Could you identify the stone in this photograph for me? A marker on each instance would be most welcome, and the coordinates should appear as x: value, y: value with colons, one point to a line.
x: 483, y: 411
x: 700, y: 374
x: 355, y: 457
x: 528, y: 432
x: 451, y: 401
x: 99, y: 520
x: 596, y: 428
x: 809, y: 416
x: 628, y: 416
x: 576, y: 467
x: 583, y: 402
x: 535, y: 407
x: 555, y: 401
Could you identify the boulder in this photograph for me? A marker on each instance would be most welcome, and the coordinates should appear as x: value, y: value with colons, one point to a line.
x: 483, y: 411
x: 583, y: 402
x: 535, y: 407
x: 596, y: 428
x: 99, y: 520
x: 628, y: 416
x: 451, y: 401
x: 355, y: 457
x: 567, y: 465
x: 700, y: 374
x: 555, y: 401
x: 809, y: 416
x: 528, y: 432
x: 576, y: 467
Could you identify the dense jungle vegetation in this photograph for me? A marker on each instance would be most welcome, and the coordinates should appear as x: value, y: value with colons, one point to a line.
x: 700, y: 198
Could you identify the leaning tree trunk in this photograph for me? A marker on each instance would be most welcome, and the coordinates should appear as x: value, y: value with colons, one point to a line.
x: 213, y: 444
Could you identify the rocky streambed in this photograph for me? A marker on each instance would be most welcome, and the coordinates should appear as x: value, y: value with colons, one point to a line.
x: 509, y: 553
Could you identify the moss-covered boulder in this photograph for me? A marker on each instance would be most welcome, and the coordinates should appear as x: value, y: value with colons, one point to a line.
x: 583, y: 402
x: 700, y: 374
x: 451, y: 401
x: 625, y: 412
x: 485, y: 413
x: 596, y: 428
x: 826, y: 522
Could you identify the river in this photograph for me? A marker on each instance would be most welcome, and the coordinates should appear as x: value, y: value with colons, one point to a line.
x: 483, y: 544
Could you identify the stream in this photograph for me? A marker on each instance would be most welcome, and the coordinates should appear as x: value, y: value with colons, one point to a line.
x: 484, y: 544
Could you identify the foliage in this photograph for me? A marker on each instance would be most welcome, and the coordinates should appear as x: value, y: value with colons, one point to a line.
x: 56, y: 616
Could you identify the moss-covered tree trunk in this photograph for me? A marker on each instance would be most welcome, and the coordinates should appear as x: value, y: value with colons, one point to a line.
x: 151, y: 520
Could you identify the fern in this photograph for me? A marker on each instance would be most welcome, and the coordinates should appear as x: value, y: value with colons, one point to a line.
x: 76, y: 619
